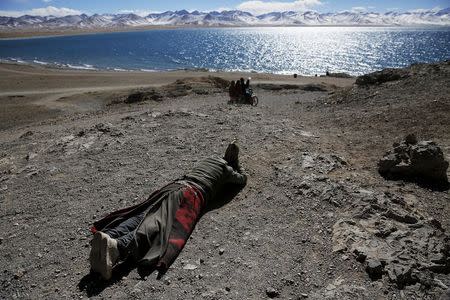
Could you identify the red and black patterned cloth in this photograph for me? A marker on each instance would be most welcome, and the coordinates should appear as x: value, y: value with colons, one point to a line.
x: 187, y: 215
x: 188, y: 207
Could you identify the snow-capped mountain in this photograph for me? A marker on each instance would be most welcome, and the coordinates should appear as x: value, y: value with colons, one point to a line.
x: 230, y: 18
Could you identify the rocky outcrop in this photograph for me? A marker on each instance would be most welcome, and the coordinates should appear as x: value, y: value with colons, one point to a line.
x: 179, y: 88
x: 311, y: 87
x: 141, y: 96
x: 393, y: 240
x: 383, y: 76
x: 411, y: 160
x: 338, y: 75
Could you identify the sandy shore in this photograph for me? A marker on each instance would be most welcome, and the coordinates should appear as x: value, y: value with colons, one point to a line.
x: 25, y: 33
x: 32, y: 32
x: 19, y: 78
x: 26, y: 89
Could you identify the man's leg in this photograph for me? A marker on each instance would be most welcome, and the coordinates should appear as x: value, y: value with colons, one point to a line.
x: 127, y: 226
x: 122, y: 233
x: 109, y: 245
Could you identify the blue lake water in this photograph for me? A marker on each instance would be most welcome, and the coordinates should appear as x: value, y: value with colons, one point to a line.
x: 285, y: 50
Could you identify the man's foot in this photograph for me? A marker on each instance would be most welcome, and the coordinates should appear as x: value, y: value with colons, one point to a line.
x: 107, y: 254
x: 94, y: 255
x: 232, y: 154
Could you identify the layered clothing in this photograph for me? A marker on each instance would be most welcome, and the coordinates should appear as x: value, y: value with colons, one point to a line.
x: 164, y: 222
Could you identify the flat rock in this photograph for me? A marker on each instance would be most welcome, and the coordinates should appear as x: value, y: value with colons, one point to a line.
x: 190, y: 267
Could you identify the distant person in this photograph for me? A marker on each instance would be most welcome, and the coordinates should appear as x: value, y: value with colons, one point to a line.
x: 238, y: 89
x: 154, y: 232
x: 247, y: 92
x: 242, y: 85
x: 232, y: 91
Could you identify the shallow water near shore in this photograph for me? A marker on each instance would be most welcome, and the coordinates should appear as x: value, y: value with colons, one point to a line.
x: 278, y: 50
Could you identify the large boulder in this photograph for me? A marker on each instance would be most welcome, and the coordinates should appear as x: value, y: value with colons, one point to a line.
x: 417, y: 161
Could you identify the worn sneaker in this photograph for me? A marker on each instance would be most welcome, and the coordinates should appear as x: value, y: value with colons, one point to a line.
x: 94, y: 255
x: 105, y: 254
x: 232, y: 154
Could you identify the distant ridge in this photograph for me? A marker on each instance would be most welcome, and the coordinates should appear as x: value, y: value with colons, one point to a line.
x: 230, y: 18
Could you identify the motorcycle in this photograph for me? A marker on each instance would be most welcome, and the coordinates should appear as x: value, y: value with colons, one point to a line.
x: 250, y: 97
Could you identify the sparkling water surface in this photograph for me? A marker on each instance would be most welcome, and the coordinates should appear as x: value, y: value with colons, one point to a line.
x: 280, y: 50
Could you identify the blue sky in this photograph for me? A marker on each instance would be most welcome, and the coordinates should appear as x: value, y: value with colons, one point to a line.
x: 64, y: 7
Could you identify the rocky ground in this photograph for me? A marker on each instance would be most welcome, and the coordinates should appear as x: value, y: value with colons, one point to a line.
x: 316, y: 220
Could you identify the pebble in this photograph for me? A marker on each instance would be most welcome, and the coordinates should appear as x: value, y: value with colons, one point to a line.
x: 30, y: 156
x: 190, y: 267
x: 374, y: 268
x: 304, y: 295
x: 19, y: 273
x: 272, y: 293
x: 221, y: 251
x: 30, y: 174
x: 322, y: 178
x: 304, y: 185
x: 289, y: 281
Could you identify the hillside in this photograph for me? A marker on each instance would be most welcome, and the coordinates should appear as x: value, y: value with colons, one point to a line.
x: 315, y: 221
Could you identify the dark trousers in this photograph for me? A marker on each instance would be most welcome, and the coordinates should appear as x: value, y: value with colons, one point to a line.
x: 124, y: 232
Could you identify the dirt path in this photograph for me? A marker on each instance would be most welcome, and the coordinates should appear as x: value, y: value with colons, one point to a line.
x: 73, y: 91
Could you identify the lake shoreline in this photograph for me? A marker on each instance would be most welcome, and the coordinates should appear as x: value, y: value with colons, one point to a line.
x: 65, y: 67
x: 29, y: 94
x: 25, y: 34
x: 44, y: 77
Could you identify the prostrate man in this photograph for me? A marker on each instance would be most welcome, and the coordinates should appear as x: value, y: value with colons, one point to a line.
x: 154, y: 232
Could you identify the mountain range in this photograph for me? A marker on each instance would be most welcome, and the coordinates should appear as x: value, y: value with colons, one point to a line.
x: 230, y: 18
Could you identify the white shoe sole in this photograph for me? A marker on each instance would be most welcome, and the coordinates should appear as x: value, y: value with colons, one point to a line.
x: 108, y: 255
x: 103, y: 255
x: 94, y: 255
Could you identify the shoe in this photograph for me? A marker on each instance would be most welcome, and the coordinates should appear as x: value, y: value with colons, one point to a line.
x: 232, y: 154
x: 94, y: 255
x: 107, y: 255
